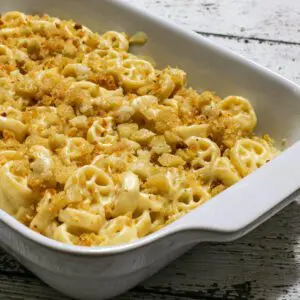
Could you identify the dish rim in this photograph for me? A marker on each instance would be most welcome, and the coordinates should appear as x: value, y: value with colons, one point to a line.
x: 172, y: 228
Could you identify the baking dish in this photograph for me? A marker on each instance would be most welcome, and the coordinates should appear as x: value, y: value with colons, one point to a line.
x: 101, y: 273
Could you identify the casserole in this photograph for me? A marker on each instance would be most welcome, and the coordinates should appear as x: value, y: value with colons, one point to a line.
x: 101, y: 273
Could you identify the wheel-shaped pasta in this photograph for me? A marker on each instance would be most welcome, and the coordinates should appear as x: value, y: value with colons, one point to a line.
x: 102, y: 134
x: 91, y: 184
x: 112, y: 163
x: 104, y: 59
x: 135, y: 73
x: 190, y: 198
x: 207, y: 152
x: 247, y: 155
x: 119, y: 230
x: 14, y: 191
x: 115, y: 40
x: 239, y: 109
x: 224, y: 171
x: 76, y: 149
x: 81, y: 94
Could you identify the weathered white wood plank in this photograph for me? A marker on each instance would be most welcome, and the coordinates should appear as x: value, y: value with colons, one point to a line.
x: 20, y: 288
x: 268, y: 19
x: 281, y: 58
x: 265, y: 264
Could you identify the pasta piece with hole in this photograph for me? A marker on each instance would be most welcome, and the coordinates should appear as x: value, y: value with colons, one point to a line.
x: 190, y: 198
x: 115, y: 40
x: 104, y: 59
x: 240, y: 110
x: 102, y: 134
x: 76, y: 149
x: 85, y: 89
x: 225, y: 171
x: 112, y: 163
x: 247, y: 155
x: 206, y: 152
x: 135, y: 73
x: 89, y: 183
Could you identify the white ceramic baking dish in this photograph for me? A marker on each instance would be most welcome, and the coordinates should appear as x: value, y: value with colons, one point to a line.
x: 100, y: 273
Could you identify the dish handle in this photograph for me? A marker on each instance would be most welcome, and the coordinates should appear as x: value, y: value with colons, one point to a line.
x: 248, y: 203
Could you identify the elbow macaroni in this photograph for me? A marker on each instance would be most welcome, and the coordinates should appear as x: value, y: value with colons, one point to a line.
x: 97, y: 147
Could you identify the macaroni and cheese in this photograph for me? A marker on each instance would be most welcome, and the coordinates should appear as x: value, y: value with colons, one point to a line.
x: 97, y: 146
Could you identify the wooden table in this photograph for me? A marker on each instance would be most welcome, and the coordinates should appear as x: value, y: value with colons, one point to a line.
x: 266, y: 263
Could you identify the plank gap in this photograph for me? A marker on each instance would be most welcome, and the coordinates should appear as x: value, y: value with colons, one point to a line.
x: 180, y: 295
x: 237, y: 37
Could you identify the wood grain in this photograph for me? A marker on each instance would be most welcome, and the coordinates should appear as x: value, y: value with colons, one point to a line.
x: 260, y: 19
x: 266, y: 263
